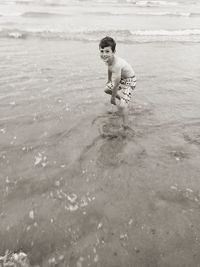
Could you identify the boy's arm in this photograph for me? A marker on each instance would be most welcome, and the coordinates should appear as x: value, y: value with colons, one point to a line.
x: 115, y: 87
x: 109, y: 76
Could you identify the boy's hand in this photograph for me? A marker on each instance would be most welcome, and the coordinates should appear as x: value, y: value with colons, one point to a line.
x: 113, y: 100
x: 109, y: 85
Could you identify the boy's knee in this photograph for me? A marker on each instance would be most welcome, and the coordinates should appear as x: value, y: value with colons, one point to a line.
x: 123, y: 105
x: 108, y: 91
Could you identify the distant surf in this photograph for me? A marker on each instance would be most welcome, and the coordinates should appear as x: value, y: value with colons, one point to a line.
x: 103, y: 13
x: 142, y: 3
x: 153, y: 3
x: 41, y: 14
x: 126, y: 36
x: 122, y: 13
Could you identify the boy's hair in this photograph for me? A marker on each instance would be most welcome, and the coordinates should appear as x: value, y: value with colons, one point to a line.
x: 108, y: 41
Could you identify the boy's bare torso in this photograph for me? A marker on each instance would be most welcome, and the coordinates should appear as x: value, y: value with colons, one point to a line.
x: 120, y: 67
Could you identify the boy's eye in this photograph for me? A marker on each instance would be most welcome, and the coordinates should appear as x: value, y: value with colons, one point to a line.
x: 105, y: 51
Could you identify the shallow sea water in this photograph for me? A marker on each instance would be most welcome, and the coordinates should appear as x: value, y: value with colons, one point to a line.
x: 74, y: 191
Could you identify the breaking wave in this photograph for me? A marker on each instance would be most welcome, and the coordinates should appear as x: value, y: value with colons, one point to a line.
x: 34, y: 14
x: 153, y: 3
x: 167, y: 14
x: 142, y: 3
x: 42, y: 14
x: 126, y: 36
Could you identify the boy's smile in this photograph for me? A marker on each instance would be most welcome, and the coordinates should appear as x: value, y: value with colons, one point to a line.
x: 106, y: 54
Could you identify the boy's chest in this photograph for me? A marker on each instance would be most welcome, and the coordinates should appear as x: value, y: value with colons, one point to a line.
x: 114, y: 68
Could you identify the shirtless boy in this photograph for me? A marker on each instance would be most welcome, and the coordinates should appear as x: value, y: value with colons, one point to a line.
x: 121, y: 77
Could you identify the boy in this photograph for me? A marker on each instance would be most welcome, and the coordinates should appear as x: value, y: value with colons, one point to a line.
x: 121, y: 77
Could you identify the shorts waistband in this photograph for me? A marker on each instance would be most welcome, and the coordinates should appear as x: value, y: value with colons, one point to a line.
x: 129, y: 79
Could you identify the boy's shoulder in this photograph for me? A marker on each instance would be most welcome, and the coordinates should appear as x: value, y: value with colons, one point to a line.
x: 120, y: 61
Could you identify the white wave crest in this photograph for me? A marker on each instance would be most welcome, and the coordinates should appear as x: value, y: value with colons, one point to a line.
x: 154, y: 3
x: 184, y: 32
x: 16, y: 35
x: 145, y: 13
x: 185, y: 35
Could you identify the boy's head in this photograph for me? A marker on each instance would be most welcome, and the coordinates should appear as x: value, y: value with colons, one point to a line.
x: 108, y: 41
x: 107, y: 49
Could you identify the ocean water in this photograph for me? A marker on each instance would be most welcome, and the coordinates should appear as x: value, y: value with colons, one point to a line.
x: 128, y: 21
x: 52, y: 79
x: 59, y: 156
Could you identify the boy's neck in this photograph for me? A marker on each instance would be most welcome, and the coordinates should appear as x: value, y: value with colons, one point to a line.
x: 111, y: 61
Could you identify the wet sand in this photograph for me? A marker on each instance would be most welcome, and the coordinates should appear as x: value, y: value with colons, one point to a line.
x: 75, y: 193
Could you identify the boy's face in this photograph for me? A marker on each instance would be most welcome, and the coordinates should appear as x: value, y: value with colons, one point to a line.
x: 106, y: 54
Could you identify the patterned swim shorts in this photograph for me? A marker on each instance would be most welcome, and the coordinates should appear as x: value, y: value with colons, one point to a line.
x: 126, y: 87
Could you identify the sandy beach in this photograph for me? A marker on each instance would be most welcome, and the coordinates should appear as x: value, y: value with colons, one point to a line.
x: 75, y: 194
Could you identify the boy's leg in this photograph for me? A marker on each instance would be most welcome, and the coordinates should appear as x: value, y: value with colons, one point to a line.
x: 125, y: 117
x: 124, y: 113
x: 126, y: 93
x: 109, y: 91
